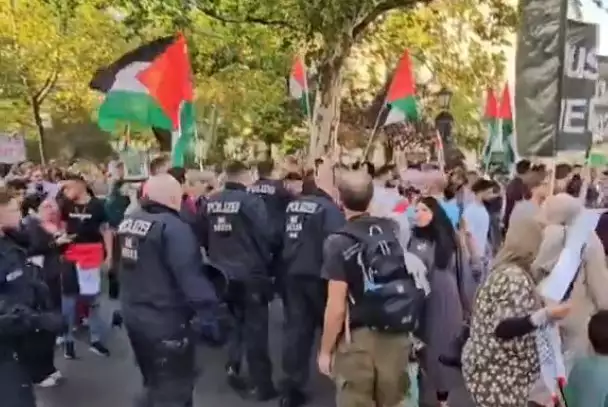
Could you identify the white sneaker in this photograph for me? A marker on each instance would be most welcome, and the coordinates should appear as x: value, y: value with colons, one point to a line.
x: 52, y: 380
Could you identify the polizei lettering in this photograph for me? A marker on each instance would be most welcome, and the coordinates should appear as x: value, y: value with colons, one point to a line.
x: 229, y: 207
x: 302, y: 207
x: 263, y: 189
x: 135, y: 227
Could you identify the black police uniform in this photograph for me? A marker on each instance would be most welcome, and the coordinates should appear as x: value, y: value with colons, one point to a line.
x: 309, y: 220
x: 239, y: 239
x: 162, y: 288
x: 25, y: 305
x: 276, y: 197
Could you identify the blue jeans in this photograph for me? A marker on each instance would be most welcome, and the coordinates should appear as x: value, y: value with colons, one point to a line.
x: 96, y: 325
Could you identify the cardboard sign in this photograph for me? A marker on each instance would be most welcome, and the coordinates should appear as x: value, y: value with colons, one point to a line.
x: 12, y: 148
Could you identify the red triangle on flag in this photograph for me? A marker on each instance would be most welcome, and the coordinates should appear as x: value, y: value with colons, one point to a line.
x: 298, y: 72
x: 402, y: 85
x: 491, y: 105
x: 169, y: 79
x: 506, y: 112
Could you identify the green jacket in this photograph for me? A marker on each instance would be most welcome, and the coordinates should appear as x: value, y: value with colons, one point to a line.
x: 588, y: 382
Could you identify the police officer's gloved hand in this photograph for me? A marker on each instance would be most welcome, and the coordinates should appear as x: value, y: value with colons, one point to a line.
x: 50, y: 322
x: 211, y: 326
x: 16, y: 321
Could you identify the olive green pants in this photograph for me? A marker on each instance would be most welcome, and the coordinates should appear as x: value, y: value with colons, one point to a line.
x: 371, y: 370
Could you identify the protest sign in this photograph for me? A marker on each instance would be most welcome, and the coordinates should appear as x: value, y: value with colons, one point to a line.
x: 135, y: 164
x: 12, y: 148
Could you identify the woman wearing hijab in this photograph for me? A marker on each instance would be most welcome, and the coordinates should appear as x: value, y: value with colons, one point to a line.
x: 589, y: 291
x: 435, y: 242
x: 500, y: 359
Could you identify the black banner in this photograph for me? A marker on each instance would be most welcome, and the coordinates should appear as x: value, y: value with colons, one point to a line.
x: 599, y: 103
x: 538, y: 73
x: 578, y: 87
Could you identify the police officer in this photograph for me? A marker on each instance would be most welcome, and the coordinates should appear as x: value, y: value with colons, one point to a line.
x: 24, y: 310
x: 309, y: 220
x: 162, y: 288
x: 276, y: 197
x: 239, y: 244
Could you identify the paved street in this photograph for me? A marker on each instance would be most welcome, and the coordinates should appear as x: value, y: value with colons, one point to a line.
x: 93, y: 381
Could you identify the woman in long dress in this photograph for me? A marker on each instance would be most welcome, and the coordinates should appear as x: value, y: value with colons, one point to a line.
x: 435, y: 242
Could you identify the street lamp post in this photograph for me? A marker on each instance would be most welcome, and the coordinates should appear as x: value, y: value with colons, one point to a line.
x: 444, y: 121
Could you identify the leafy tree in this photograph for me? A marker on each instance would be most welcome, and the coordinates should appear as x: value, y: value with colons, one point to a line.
x: 49, y: 49
x: 453, y: 44
x: 328, y: 32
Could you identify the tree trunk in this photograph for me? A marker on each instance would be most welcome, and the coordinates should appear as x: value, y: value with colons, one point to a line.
x: 40, y: 127
x: 328, y: 100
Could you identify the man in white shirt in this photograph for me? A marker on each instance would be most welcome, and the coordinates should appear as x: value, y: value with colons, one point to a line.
x: 476, y: 216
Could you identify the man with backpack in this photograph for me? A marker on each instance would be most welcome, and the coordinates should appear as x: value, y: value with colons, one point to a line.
x: 372, y: 307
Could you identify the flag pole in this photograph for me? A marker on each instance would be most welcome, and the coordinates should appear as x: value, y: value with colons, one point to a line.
x: 175, y: 136
x: 373, y: 133
x: 312, y: 145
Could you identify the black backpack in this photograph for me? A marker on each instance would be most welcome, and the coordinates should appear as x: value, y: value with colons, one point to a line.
x: 391, y: 302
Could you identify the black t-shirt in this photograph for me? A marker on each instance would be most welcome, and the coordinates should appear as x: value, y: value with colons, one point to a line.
x: 338, y: 264
x: 85, y: 221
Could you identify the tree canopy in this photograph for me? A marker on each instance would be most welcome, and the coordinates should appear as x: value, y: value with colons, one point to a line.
x: 241, y: 52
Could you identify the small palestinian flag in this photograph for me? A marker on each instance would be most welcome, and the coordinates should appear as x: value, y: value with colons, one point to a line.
x: 298, y: 85
x: 491, y: 118
x: 150, y: 86
x: 401, y: 97
x: 506, y: 116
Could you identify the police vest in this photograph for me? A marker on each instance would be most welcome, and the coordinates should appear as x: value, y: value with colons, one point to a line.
x: 223, y: 217
x: 303, y: 237
x: 131, y: 232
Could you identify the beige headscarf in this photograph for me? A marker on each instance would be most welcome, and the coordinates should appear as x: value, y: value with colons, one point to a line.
x: 560, y: 209
x: 589, y: 289
x: 521, y: 244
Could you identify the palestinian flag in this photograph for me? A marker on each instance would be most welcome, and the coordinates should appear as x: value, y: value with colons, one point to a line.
x: 506, y: 126
x: 150, y: 86
x: 491, y: 118
x: 401, y: 97
x: 298, y: 85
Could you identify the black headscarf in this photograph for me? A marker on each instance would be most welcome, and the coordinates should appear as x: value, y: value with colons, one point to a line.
x: 439, y: 231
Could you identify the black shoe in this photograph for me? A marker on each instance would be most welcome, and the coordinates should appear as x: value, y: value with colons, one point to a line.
x: 98, y: 348
x: 260, y: 393
x: 450, y: 361
x: 117, y: 320
x: 68, y: 350
x: 293, y: 398
x: 234, y: 379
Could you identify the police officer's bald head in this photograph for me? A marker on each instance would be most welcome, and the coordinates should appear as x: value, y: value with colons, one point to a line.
x: 165, y: 190
x: 355, y: 190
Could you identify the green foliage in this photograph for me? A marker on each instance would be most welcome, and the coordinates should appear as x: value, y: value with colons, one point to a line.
x: 241, y: 53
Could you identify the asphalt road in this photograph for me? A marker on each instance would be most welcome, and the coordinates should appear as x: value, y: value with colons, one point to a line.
x: 94, y: 381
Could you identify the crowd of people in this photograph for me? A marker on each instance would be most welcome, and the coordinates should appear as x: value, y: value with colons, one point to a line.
x: 395, y: 268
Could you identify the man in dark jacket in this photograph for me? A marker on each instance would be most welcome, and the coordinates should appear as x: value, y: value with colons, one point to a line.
x: 163, y: 287
x: 238, y: 239
x: 309, y: 220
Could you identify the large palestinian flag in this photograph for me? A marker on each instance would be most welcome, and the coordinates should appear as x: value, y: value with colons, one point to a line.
x: 401, y: 97
x: 150, y: 86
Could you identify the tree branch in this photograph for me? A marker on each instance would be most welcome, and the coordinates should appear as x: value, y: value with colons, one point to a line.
x: 50, y: 81
x: 381, y: 8
x: 246, y: 20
